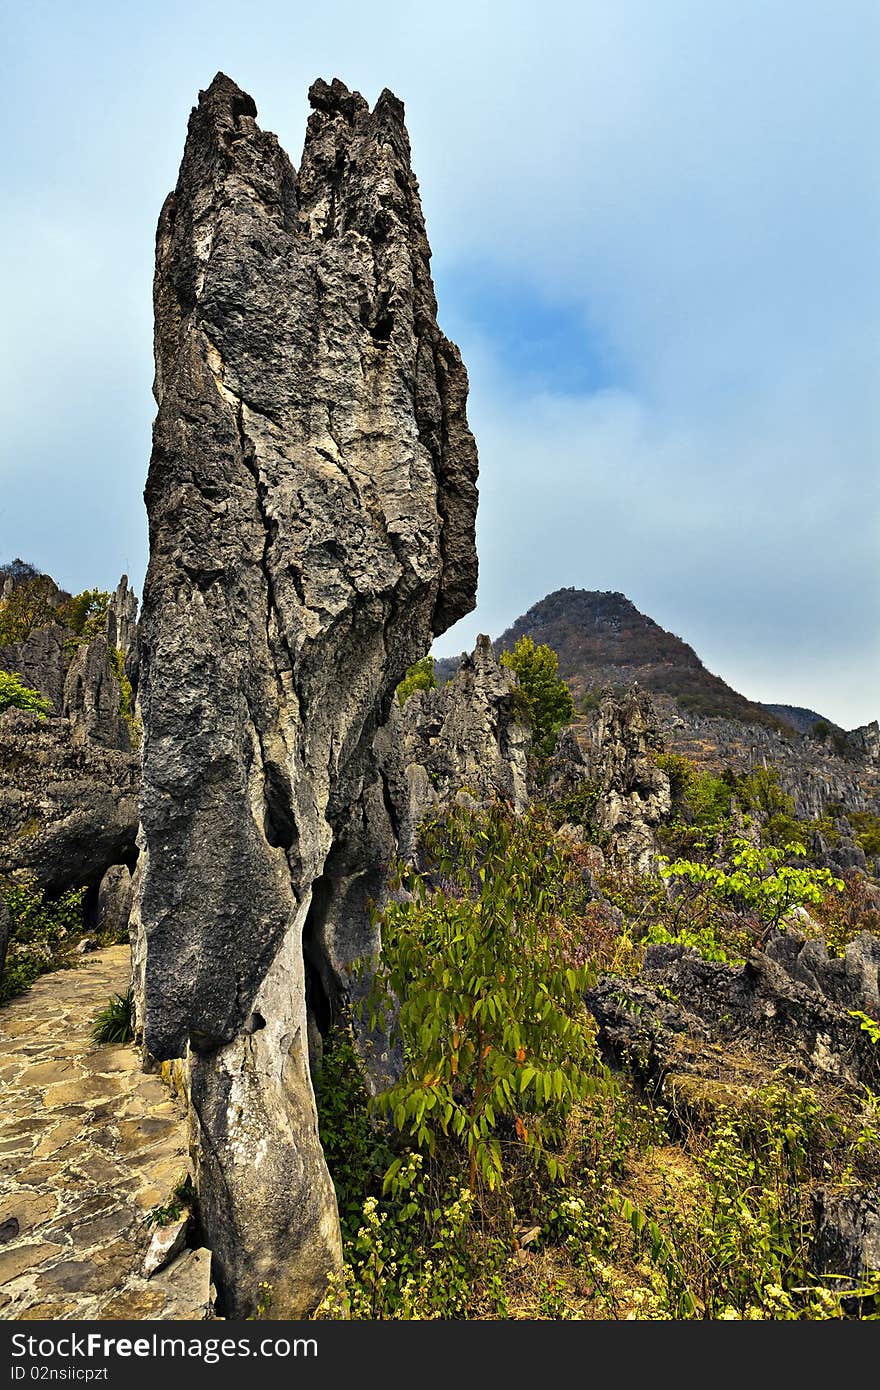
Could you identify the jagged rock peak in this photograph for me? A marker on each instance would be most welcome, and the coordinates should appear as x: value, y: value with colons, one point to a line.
x: 312, y: 500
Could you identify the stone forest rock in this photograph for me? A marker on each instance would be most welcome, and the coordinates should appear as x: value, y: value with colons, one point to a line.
x: 635, y: 794
x: 67, y: 810
x: 5, y: 933
x: 92, y: 699
x: 662, y: 1021
x: 114, y: 903
x: 466, y: 735
x: 311, y: 500
x: 121, y: 629
x: 69, y: 782
x: 847, y: 1240
x: 41, y: 661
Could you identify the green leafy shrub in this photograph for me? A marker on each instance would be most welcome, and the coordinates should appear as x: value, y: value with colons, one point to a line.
x: 29, y: 606
x: 357, y: 1151
x: 41, y: 932
x: 418, y: 1257
x: 126, y: 696
x: 738, y: 1246
x: 579, y: 808
x: 114, y: 1024
x: 698, y: 798
x: 14, y: 694
x: 546, y: 698
x: 490, y: 986
x: 419, y: 677
x: 866, y: 825
x: 85, y: 613
x: 759, y: 879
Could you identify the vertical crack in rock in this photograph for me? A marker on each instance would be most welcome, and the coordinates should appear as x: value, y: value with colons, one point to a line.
x: 311, y: 499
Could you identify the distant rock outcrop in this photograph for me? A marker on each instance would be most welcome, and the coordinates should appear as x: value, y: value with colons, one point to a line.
x: 93, y: 700
x: 41, y: 662
x: 68, y: 782
x: 467, y: 735
x: 311, y: 499
x: 635, y: 793
x: 68, y: 810
x: 605, y: 644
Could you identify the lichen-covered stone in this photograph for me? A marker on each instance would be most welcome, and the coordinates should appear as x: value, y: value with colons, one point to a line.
x: 311, y: 499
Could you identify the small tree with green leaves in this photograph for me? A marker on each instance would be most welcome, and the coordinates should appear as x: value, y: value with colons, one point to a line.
x: 489, y: 980
x: 29, y: 606
x: 85, y: 613
x: 41, y: 931
x: 547, y: 699
x: 14, y: 694
x: 419, y: 677
x: 759, y: 878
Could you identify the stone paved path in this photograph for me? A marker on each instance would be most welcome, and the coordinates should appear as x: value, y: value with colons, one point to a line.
x: 88, y: 1145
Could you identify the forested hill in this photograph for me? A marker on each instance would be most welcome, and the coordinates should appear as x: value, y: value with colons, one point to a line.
x: 605, y: 643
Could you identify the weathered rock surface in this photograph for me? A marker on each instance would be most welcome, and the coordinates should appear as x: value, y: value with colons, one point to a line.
x: 122, y: 629
x: 67, y: 811
x: 92, y: 699
x: 567, y: 770
x: 466, y: 735
x: 853, y: 982
x: 311, y: 499
x: 41, y: 661
x: 635, y: 796
x: 847, y: 1239
x: 113, y: 909
x: 784, y: 1019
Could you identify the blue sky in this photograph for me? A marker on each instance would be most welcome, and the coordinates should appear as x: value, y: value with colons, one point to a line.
x: 655, y: 233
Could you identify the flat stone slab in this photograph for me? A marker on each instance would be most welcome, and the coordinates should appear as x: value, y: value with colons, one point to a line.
x: 89, y: 1146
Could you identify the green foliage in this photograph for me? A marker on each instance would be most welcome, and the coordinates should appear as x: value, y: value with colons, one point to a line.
x: 14, y: 694
x: 85, y: 613
x: 116, y: 658
x: 114, y: 1023
x: 739, y: 1246
x: 547, y: 699
x: 419, y: 677
x: 418, y: 1257
x: 759, y: 879
x: 485, y: 969
x: 698, y: 798
x: 866, y: 825
x: 182, y: 1198
x: 867, y: 1024
x: 708, y: 939
x: 41, y: 932
x: 578, y: 808
x: 759, y: 793
x: 357, y: 1153
x: 29, y: 606
x: 591, y: 700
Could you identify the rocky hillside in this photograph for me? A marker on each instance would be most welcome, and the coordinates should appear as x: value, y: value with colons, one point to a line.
x: 605, y: 644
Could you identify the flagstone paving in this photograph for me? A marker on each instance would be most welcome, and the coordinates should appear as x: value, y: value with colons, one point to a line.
x: 89, y: 1144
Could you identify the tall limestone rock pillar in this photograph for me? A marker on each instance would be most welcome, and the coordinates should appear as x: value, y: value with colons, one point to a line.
x: 311, y: 500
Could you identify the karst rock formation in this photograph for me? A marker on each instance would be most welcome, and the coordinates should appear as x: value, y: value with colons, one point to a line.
x: 311, y: 500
